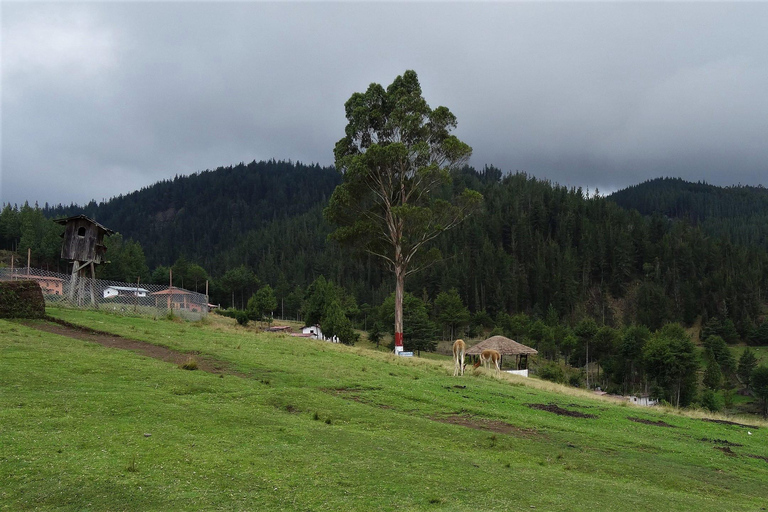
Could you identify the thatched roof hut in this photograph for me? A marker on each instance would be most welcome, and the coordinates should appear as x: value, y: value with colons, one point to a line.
x: 506, y: 347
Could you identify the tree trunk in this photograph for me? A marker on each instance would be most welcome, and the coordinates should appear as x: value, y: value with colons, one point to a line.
x: 399, y: 292
x: 587, y: 364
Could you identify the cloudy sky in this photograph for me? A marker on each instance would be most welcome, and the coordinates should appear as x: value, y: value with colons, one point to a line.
x: 102, y: 98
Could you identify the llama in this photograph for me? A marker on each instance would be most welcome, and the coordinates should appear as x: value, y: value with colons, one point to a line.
x: 490, y: 356
x: 459, y: 349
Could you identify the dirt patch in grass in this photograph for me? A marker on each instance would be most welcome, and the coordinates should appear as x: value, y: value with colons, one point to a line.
x: 649, y: 422
x: 724, y: 442
x: 726, y: 450
x: 726, y: 422
x: 63, y: 328
x: 466, y: 420
x: 560, y: 411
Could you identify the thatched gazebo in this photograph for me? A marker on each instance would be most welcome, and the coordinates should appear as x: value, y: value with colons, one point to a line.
x: 505, y: 347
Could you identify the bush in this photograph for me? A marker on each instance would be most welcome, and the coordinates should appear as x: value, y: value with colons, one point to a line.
x: 21, y: 299
x: 710, y: 401
x: 576, y: 380
x: 552, y: 372
x: 242, y: 318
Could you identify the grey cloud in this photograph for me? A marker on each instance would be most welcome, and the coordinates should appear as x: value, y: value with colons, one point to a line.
x: 101, y: 99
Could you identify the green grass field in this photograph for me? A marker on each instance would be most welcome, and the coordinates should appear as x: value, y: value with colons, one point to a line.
x: 317, y: 426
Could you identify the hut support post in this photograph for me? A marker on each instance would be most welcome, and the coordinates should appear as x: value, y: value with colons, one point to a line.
x: 93, y: 279
x: 73, y: 279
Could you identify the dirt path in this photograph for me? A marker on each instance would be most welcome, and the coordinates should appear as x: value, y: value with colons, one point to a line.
x: 205, y: 363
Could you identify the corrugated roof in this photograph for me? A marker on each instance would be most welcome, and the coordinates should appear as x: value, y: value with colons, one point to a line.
x: 503, y: 345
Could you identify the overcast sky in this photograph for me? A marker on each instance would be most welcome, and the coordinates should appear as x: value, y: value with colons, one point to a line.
x: 100, y: 99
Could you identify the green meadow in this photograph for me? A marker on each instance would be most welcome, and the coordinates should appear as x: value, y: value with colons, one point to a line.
x: 298, y: 424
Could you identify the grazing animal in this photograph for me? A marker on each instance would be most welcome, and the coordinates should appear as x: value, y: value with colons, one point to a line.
x: 459, y: 349
x: 490, y: 356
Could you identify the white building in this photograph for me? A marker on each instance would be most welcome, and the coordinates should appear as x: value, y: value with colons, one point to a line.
x: 643, y: 400
x: 124, y: 291
x: 315, y: 332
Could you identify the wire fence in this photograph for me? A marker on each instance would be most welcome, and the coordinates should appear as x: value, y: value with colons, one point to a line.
x: 134, y: 298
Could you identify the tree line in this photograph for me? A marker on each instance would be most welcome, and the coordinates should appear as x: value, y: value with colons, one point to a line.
x: 537, y: 263
x: 535, y: 246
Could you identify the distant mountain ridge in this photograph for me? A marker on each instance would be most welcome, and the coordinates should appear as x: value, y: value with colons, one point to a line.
x: 737, y: 213
x: 205, y: 213
x: 537, y: 248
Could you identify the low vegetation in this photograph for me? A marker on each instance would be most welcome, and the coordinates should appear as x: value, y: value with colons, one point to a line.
x: 297, y: 424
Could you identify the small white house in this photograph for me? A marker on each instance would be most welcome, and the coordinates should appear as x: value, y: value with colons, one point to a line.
x: 643, y: 400
x: 124, y: 291
x: 315, y: 332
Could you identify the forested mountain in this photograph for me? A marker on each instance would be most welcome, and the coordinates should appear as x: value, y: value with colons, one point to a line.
x: 738, y: 214
x: 537, y: 248
x: 580, y: 278
x: 204, y: 214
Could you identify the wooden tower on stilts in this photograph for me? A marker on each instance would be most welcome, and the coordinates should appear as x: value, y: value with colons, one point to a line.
x: 83, y: 245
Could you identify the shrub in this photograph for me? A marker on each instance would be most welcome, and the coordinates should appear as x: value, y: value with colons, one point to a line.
x: 242, y: 317
x: 575, y: 379
x: 21, y: 299
x: 710, y: 401
x: 552, y: 371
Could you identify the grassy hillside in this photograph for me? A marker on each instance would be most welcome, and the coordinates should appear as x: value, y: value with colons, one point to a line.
x: 313, y: 426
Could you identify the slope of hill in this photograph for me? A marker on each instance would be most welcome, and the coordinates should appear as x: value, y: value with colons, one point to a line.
x: 738, y: 214
x: 313, y: 426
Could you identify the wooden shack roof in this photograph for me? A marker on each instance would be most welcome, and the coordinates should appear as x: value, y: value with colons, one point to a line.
x: 505, y: 346
x: 84, y: 217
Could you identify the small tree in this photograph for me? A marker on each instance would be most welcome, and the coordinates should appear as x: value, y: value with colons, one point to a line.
x: 710, y: 401
x: 318, y: 296
x: 747, y: 363
x: 631, y: 351
x: 197, y: 275
x: 722, y: 354
x: 451, y: 312
x: 161, y: 275
x: 713, y: 377
x: 670, y: 358
x: 375, y: 334
x: 759, y: 380
x: 262, y: 304
x: 335, y: 323
x: 239, y: 279
x: 585, y: 331
x: 759, y: 335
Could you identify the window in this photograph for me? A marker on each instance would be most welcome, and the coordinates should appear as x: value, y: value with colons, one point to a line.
x: 81, y: 231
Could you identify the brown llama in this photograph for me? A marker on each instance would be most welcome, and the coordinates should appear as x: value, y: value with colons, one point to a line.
x: 490, y: 356
x: 459, y: 349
